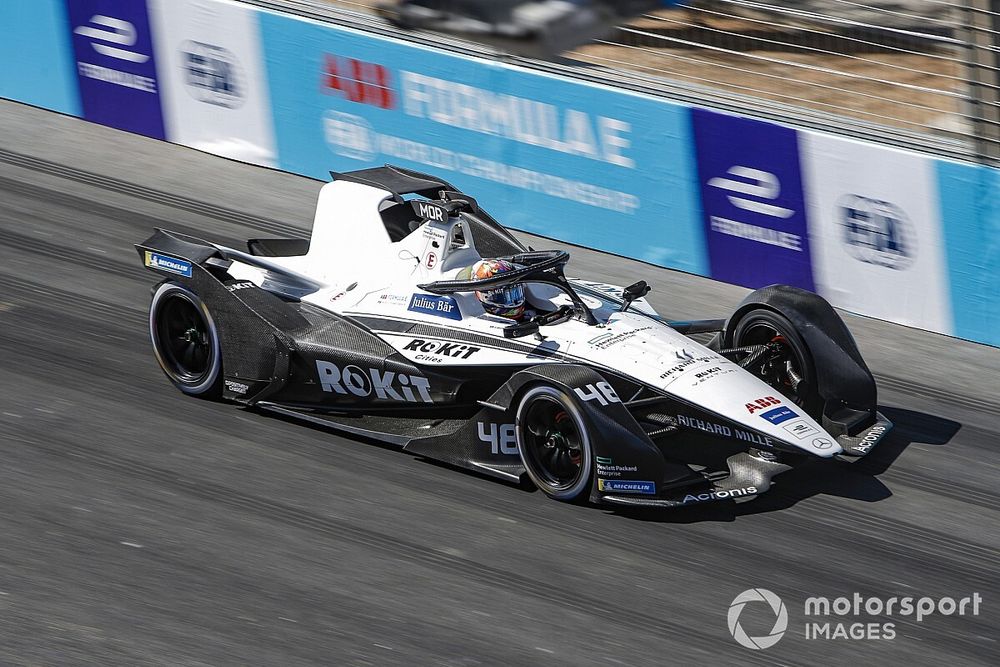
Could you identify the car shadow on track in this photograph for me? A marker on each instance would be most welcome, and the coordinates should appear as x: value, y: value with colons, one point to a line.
x: 854, y: 480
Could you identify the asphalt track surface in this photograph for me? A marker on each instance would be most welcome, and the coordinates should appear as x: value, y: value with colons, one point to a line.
x: 138, y: 526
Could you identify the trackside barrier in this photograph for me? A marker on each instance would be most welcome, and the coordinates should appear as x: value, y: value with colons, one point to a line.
x: 892, y: 234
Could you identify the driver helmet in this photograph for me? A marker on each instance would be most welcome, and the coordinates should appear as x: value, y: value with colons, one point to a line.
x: 505, y: 301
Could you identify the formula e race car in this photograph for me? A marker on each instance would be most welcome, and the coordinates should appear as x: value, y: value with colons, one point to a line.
x: 375, y: 326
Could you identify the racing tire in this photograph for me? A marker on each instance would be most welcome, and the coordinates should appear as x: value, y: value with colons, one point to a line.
x: 186, y: 341
x: 764, y: 326
x: 554, y: 444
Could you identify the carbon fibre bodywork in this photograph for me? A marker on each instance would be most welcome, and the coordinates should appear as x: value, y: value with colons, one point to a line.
x: 668, y: 421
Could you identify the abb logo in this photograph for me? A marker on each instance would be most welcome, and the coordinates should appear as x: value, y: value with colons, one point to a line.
x: 762, y: 404
x: 358, y: 81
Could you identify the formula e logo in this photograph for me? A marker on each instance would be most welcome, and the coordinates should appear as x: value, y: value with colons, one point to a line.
x: 500, y: 436
x: 112, y: 31
x: 212, y: 74
x: 759, y: 187
x: 877, y: 232
x: 602, y: 392
x: 386, y: 386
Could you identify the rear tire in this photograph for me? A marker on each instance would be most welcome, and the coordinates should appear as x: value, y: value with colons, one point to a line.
x: 186, y: 341
x: 553, y: 442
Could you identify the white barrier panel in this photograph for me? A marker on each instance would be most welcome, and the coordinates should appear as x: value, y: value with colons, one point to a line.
x: 213, y: 80
x: 875, y: 231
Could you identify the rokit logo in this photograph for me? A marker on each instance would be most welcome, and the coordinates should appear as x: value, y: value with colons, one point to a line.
x: 358, y: 81
x: 753, y: 190
x: 501, y: 437
x: 213, y: 75
x: 442, y: 348
x: 877, y: 232
x: 386, y: 385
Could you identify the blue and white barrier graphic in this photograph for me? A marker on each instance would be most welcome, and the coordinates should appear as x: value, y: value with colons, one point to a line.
x: 970, y: 216
x: 116, y: 66
x: 891, y: 234
x: 752, y: 201
x: 212, y: 74
x: 582, y: 163
x: 37, y: 56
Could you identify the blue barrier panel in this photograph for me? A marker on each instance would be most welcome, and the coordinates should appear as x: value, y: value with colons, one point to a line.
x: 970, y: 210
x: 35, y: 51
x: 116, y: 66
x: 752, y: 201
x: 587, y: 164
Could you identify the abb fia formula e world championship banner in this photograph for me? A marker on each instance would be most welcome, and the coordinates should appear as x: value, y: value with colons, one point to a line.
x: 881, y: 232
x: 587, y: 164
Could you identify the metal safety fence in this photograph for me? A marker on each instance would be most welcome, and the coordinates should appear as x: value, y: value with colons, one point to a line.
x: 914, y: 73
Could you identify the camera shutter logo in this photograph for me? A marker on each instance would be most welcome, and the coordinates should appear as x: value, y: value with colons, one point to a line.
x: 780, y: 623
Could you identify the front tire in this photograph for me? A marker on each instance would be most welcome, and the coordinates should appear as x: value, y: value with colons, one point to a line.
x: 186, y: 341
x: 553, y: 442
x: 792, y: 371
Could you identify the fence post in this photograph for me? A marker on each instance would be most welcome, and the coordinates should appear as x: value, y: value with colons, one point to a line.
x: 981, y: 30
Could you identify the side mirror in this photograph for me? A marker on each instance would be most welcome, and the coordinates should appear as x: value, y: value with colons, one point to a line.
x: 633, y: 292
x: 521, y: 329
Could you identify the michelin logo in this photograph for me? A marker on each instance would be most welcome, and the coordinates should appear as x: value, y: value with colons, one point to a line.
x: 626, y: 486
x: 160, y: 262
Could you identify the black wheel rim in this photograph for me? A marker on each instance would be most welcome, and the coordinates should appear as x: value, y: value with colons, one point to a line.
x: 184, y: 339
x: 553, y: 443
x: 784, y: 367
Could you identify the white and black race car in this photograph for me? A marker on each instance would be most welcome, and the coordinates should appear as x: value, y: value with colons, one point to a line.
x: 367, y: 328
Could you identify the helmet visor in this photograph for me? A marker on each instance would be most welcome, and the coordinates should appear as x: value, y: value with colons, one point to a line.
x: 505, y: 297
